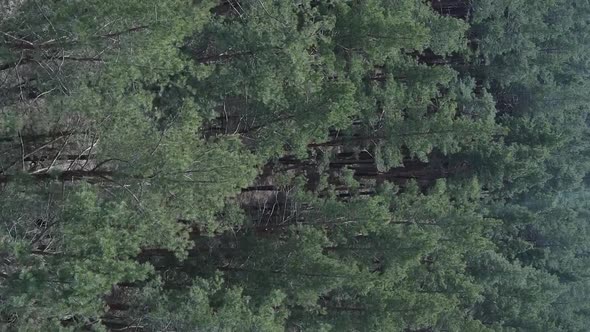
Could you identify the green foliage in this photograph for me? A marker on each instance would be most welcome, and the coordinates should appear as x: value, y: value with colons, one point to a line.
x: 259, y: 165
x: 76, y: 256
x: 206, y: 305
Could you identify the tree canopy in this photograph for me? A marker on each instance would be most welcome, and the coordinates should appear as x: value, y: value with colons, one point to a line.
x: 260, y: 165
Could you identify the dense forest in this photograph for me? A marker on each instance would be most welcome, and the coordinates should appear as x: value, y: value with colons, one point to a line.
x: 295, y: 165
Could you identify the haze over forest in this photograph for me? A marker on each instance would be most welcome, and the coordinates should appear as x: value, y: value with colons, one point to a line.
x: 295, y: 165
